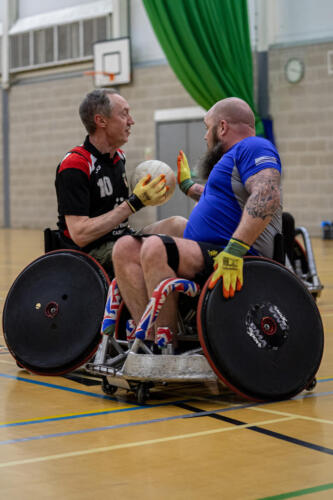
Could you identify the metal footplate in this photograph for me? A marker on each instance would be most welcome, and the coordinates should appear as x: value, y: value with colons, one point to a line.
x: 168, y: 368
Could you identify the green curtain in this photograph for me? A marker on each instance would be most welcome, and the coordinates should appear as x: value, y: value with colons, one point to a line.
x: 207, y: 44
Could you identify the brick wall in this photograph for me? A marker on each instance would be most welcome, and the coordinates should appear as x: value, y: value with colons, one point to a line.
x: 303, y: 125
x: 44, y: 125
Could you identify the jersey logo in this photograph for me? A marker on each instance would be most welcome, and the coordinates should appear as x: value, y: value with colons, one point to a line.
x: 265, y: 159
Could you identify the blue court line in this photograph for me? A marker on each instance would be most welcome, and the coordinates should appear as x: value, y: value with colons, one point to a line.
x: 169, y: 403
x: 70, y: 417
x: 195, y: 413
x: 60, y: 387
x: 80, y: 391
x: 106, y: 412
x: 87, y: 393
x: 94, y: 429
x: 325, y: 380
x: 135, y: 406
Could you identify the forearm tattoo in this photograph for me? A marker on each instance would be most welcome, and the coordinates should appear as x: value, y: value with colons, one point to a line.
x: 264, y: 189
x: 196, y: 191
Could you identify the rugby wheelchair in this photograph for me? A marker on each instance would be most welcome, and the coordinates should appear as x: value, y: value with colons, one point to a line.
x: 63, y: 313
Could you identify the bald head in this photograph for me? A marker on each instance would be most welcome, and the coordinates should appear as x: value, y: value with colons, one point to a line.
x: 234, y: 110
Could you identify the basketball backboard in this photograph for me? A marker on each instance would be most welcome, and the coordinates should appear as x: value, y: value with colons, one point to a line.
x: 112, y: 57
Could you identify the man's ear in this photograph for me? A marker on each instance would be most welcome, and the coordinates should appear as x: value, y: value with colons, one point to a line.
x: 222, y: 128
x: 100, y: 120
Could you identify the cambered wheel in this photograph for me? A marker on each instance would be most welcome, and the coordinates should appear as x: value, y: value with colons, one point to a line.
x: 266, y: 343
x: 60, y: 298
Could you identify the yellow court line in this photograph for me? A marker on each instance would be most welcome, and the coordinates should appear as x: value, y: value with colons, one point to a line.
x: 93, y: 412
x: 295, y: 415
x: 137, y: 443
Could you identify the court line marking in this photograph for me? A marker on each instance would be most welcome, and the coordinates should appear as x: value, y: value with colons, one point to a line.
x: 136, y: 443
x: 319, y: 380
x: 68, y: 416
x: 195, y: 413
x: 260, y: 430
x: 56, y: 386
x: 124, y: 425
x: 81, y: 392
x: 131, y: 408
x: 298, y: 493
x: 302, y: 417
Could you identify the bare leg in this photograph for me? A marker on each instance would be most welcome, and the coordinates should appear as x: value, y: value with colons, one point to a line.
x: 130, y: 278
x: 155, y: 268
x: 173, y: 226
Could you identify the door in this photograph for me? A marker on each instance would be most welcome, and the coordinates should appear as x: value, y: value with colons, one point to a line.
x: 170, y: 138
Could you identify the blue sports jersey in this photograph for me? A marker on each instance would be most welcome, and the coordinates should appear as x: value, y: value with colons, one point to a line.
x: 216, y: 216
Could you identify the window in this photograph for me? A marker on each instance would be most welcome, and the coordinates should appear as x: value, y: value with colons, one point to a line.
x: 64, y: 42
x: 43, y: 46
x: 19, y: 50
x: 93, y: 31
x: 68, y: 41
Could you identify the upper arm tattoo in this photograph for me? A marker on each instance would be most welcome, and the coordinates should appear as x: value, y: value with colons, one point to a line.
x: 264, y: 189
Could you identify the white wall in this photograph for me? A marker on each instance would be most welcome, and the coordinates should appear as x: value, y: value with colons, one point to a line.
x: 33, y: 7
x: 293, y: 21
x: 304, y: 20
x: 145, y: 46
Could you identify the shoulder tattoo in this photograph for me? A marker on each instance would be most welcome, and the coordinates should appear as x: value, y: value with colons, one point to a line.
x: 265, y: 193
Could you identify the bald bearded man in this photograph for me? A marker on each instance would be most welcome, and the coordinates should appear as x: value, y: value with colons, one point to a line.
x: 238, y: 212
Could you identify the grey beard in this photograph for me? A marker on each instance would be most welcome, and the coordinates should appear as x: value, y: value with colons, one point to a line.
x: 207, y: 162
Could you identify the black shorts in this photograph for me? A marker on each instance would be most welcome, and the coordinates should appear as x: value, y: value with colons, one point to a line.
x: 209, y: 251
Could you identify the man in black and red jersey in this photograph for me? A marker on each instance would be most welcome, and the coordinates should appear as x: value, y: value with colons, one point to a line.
x: 91, y: 185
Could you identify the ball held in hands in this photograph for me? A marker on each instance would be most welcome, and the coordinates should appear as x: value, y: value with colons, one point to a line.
x: 155, y: 169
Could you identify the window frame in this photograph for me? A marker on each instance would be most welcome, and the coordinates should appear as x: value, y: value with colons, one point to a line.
x: 56, y: 61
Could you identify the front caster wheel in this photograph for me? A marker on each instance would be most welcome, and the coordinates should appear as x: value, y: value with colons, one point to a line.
x: 311, y: 385
x: 108, y: 388
x: 142, y: 393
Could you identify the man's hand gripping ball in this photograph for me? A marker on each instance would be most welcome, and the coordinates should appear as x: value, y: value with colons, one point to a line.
x: 228, y: 265
x: 148, y: 193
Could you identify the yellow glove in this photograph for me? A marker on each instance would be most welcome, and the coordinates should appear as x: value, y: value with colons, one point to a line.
x: 183, y: 173
x: 228, y: 265
x: 148, y: 192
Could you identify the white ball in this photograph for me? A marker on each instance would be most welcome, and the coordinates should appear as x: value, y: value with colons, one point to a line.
x: 155, y: 168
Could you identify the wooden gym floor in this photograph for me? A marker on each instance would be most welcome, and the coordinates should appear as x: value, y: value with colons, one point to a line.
x: 62, y: 438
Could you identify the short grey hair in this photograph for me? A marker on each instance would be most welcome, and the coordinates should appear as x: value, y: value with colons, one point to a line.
x: 95, y: 102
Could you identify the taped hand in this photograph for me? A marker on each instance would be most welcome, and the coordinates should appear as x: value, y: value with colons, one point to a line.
x: 228, y: 265
x: 183, y: 173
x: 148, y: 192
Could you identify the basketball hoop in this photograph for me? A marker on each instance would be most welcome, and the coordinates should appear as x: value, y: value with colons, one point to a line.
x: 110, y: 76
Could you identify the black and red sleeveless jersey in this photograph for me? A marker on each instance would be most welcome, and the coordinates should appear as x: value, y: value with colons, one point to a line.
x: 91, y: 183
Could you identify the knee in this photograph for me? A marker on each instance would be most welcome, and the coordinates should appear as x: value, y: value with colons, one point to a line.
x: 152, y: 252
x: 176, y: 226
x: 124, y: 250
